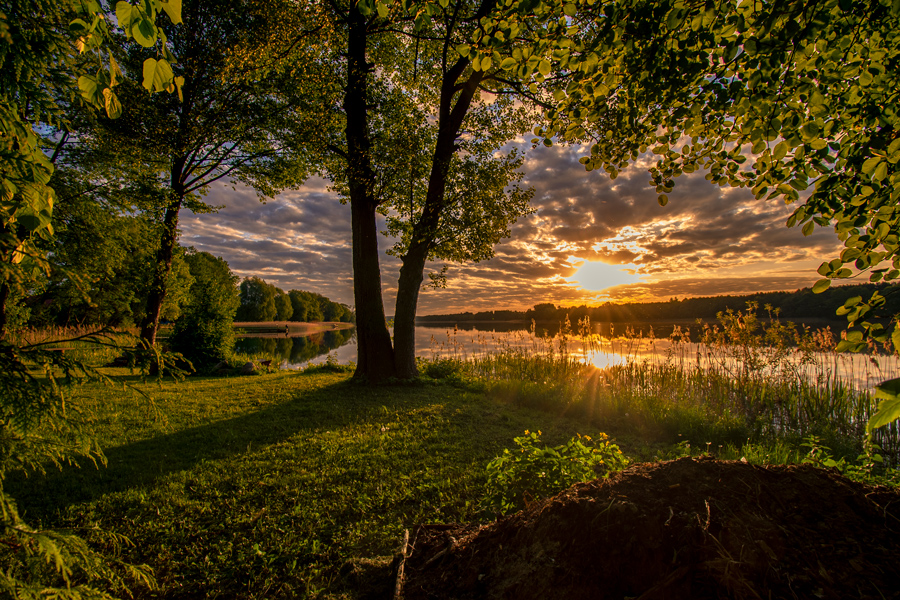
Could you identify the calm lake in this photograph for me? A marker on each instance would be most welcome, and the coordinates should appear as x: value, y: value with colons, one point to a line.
x: 611, y: 344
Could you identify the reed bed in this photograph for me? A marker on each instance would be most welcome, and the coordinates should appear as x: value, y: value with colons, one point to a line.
x: 93, y: 345
x: 745, y: 379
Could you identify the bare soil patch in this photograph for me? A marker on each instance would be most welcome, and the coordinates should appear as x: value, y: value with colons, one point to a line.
x: 689, y: 528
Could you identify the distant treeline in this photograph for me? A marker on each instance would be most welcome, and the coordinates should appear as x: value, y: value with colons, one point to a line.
x: 261, y: 301
x: 802, y: 304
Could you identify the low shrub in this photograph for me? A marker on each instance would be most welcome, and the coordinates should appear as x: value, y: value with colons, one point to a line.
x: 536, y: 471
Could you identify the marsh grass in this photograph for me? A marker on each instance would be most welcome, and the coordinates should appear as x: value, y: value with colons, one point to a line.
x: 746, y: 379
x: 66, y: 339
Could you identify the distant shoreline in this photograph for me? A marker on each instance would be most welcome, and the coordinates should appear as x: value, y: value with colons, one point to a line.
x: 294, y: 328
x: 432, y: 321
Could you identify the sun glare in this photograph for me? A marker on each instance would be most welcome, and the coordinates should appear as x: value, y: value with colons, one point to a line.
x: 598, y: 276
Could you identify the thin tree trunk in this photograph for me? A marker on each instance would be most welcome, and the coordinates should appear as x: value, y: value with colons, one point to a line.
x: 375, y: 358
x: 159, y: 287
x: 412, y: 272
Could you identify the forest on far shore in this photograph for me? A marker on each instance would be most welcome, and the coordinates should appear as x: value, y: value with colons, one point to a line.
x: 800, y: 304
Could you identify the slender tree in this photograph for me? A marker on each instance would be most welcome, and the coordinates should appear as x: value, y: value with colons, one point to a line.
x: 222, y: 127
x: 299, y: 305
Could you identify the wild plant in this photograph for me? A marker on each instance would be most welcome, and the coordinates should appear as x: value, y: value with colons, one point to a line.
x: 535, y: 471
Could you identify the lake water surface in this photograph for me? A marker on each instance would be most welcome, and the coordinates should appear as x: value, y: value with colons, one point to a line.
x: 611, y: 344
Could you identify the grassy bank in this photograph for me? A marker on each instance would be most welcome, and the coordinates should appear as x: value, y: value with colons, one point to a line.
x: 300, y: 484
x: 266, y: 486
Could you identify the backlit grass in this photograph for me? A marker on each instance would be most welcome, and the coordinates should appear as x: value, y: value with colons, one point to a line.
x: 266, y: 486
x: 746, y: 380
x: 298, y: 484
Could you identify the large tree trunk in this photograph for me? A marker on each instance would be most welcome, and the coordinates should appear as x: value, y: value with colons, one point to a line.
x: 375, y: 358
x: 424, y: 230
x: 159, y: 287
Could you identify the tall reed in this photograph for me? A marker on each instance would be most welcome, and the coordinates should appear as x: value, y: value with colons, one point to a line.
x: 78, y: 342
x: 745, y: 378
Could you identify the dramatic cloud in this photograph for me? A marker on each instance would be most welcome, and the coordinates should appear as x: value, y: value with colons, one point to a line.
x: 707, y: 240
x: 300, y: 240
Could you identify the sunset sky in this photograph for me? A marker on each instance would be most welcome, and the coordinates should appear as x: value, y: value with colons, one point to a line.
x: 591, y: 239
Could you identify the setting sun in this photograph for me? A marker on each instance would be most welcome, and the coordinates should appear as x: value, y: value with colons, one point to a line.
x: 598, y: 276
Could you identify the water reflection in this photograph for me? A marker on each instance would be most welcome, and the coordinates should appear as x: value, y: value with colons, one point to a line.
x: 300, y: 351
x: 630, y: 329
x: 615, y: 344
x: 609, y: 345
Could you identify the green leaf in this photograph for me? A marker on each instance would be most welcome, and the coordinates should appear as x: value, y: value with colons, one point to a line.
x: 114, y: 70
x: 79, y: 27
x: 89, y: 88
x: 157, y: 75
x: 869, y: 165
x: 382, y: 9
x: 112, y: 104
x: 126, y: 14
x: 508, y: 63
x: 749, y: 46
x: 889, y: 407
x: 821, y: 285
x: 662, y: 199
x: 809, y: 132
x: 544, y: 67
x: 781, y: 150
x: 144, y: 31
x: 808, y: 228
x: 464, y: 49
x: 485, y: 63
x: 29, y: 222
x: 173, y: 9
x: 674, y: 19
x: 850, y: 346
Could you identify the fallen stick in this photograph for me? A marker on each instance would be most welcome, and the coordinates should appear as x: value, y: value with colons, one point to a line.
x: 398, y: 585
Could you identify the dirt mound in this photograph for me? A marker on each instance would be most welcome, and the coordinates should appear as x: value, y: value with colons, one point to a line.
x: 690, y: 528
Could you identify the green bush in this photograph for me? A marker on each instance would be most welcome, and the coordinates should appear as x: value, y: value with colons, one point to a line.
x: 536, y: 471
x: 440, y: 368
x: 331, y: 365
x: 205, y: 334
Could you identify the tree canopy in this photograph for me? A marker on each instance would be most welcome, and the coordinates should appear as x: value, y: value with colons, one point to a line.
x: 261, y: 301
x: 204, y: 334
x: 792, y: 100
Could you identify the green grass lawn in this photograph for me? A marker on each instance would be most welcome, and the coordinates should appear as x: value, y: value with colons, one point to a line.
x: 266, y: 486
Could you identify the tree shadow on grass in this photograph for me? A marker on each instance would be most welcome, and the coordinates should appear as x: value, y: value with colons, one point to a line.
x: 141, y: 464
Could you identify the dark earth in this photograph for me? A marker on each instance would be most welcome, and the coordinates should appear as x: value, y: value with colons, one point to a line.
x: 689, y: 528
